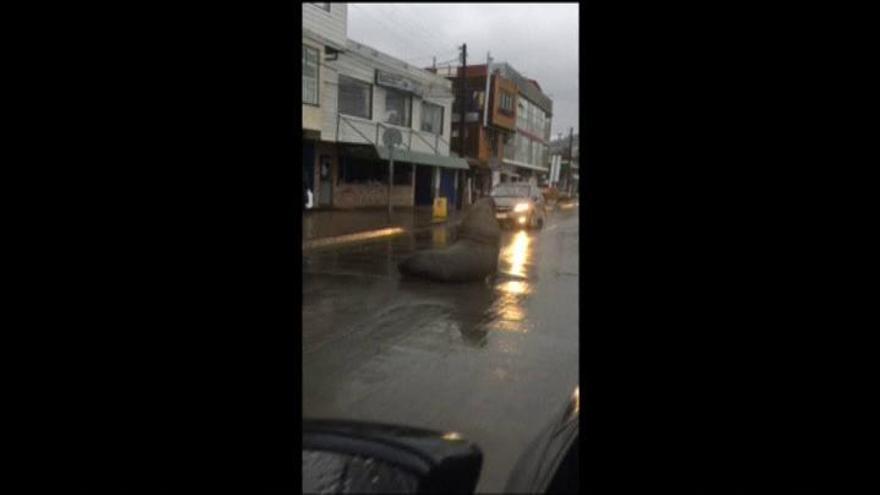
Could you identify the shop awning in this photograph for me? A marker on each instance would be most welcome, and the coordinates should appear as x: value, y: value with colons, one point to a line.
x: 420, y: 158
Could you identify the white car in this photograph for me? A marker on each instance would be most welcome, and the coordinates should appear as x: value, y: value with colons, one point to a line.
x: 519, y: 204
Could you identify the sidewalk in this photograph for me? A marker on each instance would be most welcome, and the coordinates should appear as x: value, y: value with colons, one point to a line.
x: 322, y: 228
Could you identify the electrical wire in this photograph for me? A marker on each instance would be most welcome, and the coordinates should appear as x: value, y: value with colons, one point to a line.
x: 393, y: 29
x: 430, y: 32
x: 389, y: 28
x: 430, y: 55
x: 416, y: 36
x: 409, y: 23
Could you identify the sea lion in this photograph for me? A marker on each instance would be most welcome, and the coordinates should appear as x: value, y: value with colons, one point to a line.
x: 472, y: 257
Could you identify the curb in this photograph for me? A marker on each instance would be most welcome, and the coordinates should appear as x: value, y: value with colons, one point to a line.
x: 368, y: 235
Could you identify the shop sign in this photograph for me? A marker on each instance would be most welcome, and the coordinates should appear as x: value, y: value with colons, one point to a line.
x: 395, y: 81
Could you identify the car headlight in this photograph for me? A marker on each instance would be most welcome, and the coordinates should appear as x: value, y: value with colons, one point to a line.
x: 521, y: 207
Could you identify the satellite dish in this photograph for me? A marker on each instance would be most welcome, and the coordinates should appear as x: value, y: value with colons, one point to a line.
x: 391, y: 138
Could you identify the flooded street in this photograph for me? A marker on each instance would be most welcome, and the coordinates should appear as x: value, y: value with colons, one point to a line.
x: 493, y: 360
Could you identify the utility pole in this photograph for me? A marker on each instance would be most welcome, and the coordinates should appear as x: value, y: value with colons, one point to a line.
x: 489, y: 136
x: 464, y: 107
x: 486, y: 95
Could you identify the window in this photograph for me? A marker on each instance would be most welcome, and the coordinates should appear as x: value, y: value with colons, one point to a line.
x: 523, y: 151
x: 361, y: 171
x: 323, y: 5
x: 310, y: 75
x: 432, y: 118
x: 510, y: 149
x: 355, y: 97
x: 397, y: 108
x: 521, y: 108
x: 530, y: 117
x: 536, y: 153
x: 506, y: 104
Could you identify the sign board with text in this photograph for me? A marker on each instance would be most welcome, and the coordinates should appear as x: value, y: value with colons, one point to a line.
x: 395, y: 81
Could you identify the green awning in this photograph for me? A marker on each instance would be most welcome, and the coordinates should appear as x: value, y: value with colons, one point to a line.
x: 420, y: 158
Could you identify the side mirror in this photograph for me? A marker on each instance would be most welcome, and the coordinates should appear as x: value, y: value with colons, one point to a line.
x: 357, y: 457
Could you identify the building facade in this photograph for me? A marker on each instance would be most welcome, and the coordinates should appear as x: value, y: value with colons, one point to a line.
x: 324, y: 36
x: 366, y: 94
x: 506, y: 128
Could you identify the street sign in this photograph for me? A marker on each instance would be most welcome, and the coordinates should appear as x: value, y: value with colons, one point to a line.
x: 391, y: 138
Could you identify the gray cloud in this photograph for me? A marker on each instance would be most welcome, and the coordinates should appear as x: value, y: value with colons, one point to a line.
x: 538, y: 40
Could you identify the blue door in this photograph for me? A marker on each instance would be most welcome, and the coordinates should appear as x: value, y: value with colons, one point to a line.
x: 447, y: 186
x: 424, y: 180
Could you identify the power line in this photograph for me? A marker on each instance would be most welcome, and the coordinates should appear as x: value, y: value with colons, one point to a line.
x: 404, y: 31
x: 389, y: 28
x: 395, y: 30
x: 430, y: 32
x: 429, y: 55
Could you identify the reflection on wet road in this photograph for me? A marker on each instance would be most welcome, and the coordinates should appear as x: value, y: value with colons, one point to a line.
x: 491, y: 360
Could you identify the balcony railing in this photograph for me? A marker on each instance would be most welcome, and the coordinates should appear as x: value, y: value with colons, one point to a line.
x: 355, y: 130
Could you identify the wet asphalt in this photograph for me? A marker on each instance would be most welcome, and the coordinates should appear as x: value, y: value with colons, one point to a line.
x: 493, y: 360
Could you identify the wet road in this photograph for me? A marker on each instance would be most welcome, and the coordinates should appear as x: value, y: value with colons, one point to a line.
x: 492, y: 361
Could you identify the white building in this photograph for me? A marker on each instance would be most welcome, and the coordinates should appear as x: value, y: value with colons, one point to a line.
x: 361, y: 94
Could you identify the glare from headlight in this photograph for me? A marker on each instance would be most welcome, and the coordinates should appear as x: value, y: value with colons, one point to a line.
x: 521, y: 207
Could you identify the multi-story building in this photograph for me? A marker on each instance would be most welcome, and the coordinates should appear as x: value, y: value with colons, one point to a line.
x: 507, y: 131
x: 366, y: 93
x: 323, y: 37
x: 567, y: 148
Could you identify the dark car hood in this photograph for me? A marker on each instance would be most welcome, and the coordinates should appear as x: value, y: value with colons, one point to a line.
x: 535, y: 468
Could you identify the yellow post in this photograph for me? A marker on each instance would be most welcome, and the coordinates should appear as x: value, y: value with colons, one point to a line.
x: 439, y: 208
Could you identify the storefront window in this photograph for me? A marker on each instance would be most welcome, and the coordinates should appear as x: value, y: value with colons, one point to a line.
x: 355, y: 97
x: 397, y: 108
x: 365, y: 171
x: 361, y: 171
x: 310, y: 75
x: 432, y: 118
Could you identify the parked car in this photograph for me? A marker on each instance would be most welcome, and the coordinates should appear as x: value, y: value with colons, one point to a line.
x: 519, y: 204
x: 358, y: 457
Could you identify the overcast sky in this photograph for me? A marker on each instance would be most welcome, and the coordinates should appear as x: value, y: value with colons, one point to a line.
x: 539, y: 40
